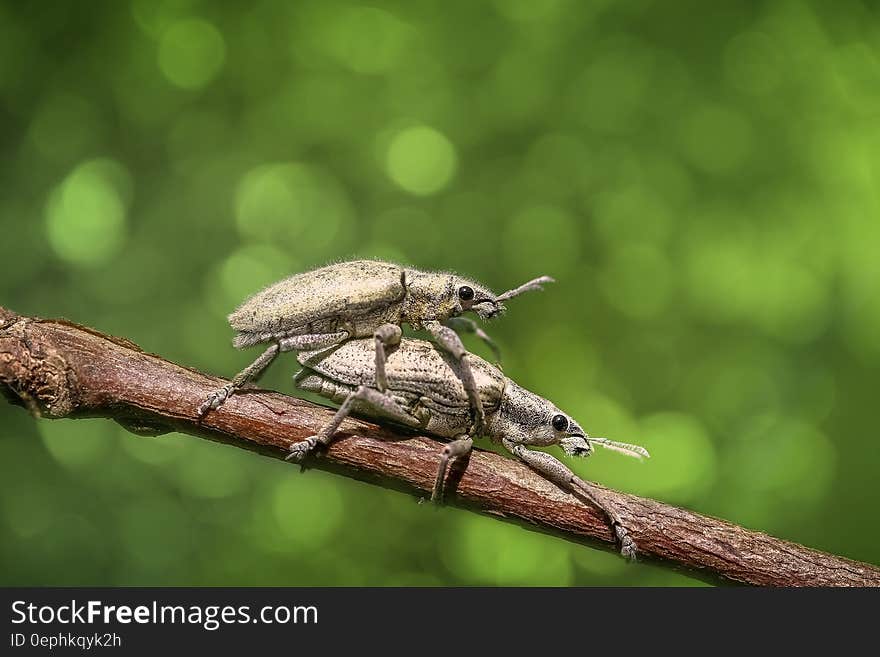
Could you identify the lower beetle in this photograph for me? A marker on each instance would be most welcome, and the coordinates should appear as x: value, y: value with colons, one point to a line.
x: 425, y: 391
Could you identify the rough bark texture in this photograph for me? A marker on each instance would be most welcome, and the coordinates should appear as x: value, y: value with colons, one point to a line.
x: 58, y: 369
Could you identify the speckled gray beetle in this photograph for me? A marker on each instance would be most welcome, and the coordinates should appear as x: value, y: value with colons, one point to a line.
x: 357, y: 299
x: 425, y: 391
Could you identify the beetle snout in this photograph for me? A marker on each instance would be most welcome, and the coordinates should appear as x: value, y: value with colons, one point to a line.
x: 583, y: 446
x: 488, y: 308
x: 575, y: 445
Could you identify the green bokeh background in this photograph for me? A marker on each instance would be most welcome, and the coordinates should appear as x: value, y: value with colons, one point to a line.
x: 702, y: 180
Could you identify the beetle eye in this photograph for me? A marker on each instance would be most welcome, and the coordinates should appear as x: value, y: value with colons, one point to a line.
x: 560, y: 422
x: 466, y: 293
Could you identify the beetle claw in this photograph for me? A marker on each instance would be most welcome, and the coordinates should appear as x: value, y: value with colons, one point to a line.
x: 300, y: 450
x: 215, y: 400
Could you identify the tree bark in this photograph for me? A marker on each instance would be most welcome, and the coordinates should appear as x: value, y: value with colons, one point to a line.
x: 58, y: 369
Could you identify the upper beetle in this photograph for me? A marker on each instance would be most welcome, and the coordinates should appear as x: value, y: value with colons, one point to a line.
x: 363, y: 298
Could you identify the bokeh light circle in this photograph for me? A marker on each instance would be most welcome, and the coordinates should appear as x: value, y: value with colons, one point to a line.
x: 420, y: 160
x: 251, y: 268
x: 519, y: 558
x: 292, y: 205
x: 191, y: 53
x: 368, y: 40
x: 86, y: 213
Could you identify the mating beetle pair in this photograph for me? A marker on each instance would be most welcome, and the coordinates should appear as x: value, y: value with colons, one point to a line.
x: 345, y: 321
x: 358, y: 299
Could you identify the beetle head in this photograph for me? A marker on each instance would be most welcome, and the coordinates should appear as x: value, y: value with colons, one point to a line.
x: 468, y: 295
x: 528, y: 419
x: 488, y: 305
x: 441, y: 295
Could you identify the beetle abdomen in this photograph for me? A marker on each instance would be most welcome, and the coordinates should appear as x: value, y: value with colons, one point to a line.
x: 362, y: 294
x: 316, y: 383
x: 415, y: 367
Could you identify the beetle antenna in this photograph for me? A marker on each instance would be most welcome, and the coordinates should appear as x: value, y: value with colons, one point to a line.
x: 636, y: 451
x: 534, y: 284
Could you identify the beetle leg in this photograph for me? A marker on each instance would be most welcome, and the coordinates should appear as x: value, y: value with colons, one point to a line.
x: 467, y: 325
x: 380, y: 401
x: 249, y: 373
x: 554, y: 470
x: 461, y: 446
x: 450, y: 342
x: 387, y: 335
x: 253, y: 371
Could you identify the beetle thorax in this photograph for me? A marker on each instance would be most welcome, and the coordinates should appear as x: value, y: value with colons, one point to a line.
x: 429, y: 295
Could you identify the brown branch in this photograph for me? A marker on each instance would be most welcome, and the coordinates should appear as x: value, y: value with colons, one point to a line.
x: 59, y: 369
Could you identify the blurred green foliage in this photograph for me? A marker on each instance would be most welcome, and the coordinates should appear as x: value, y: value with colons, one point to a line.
x: 702, y: 179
